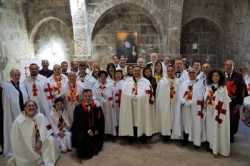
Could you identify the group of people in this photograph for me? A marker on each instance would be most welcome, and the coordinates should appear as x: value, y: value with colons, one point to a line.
x: 77, y: 108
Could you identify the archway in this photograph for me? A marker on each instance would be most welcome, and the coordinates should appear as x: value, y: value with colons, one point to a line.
x: 52, y: 40
x: 121, y: 22
x: 201, y: 40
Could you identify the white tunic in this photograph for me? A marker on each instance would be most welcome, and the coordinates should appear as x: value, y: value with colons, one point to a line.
x: 72, y: 99
x: 184, y: 76
x: 35, y: 91
x: 192, y: 110
x: 22, y: 140
x: 11, y: 109
x: 88, y: 82
x: 59, y: 85
x: 104, y: 95
x: 64, y: 143
x: 247, y: 81
x: 135, y: 109
x: 218, y: 120
x: 167, y: 107
x: 118, y: 86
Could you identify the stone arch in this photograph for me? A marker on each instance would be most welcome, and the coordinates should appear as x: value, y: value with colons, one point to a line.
x: 215, y: 22
x: 108, y: 5
x: 201, y: 39
x: 51, y: 37
x: 40, y: 23
x: 126, y: 18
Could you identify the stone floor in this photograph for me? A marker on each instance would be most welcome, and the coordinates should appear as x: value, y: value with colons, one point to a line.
x: 159, y: 154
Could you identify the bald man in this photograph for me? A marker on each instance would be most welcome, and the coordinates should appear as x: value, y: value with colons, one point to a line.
x: 45, y: 71
x: 153, y: 59
x: 237, y: 90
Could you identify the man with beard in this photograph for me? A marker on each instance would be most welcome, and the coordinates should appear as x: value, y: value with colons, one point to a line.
x: 136, y: 117
x: 88, y: 127
x: 86, y: 80
x: 180, y: 72
x: 35, y: 86
x: 168, y: 106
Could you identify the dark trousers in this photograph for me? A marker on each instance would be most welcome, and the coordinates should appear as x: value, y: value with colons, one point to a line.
x: 234, y: 120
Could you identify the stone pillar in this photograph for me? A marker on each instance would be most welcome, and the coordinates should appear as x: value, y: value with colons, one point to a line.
x: 82, y: 40
x: 174, y: 27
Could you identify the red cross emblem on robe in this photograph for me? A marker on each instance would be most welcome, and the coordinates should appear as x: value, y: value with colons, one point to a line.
x: 118, y: 97
x: 151, y: 95
x: 61, y: 123
x: 172, y: 92
x: 231, y: 88
x: 49, y: 90
x: 37, y: 137
x: 189, y: 93
x: 58, y: 84
x: 73, y: 95
x: 102, y: 88
x: 34, y: 90
x: 220, y: 110
x: 135, y: 89
x: 210, y: 98
x: 200, y: 112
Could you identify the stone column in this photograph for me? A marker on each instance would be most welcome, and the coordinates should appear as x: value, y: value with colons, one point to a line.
x: 82, y: 40
x: 174, y: 27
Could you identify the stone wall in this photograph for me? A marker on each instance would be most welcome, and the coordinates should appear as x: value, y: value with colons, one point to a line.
x: 125, y: 18
x: 38, y: 10
x: 14, y: 40
x: 203, y: 22
x: 237, y: 31
x: 166, y: 16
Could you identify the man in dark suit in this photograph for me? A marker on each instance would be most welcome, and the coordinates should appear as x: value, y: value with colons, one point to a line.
x: 237, y: 90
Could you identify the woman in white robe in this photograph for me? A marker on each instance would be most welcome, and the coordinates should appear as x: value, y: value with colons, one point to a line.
x: 31, y: 142
x: 217, y: 114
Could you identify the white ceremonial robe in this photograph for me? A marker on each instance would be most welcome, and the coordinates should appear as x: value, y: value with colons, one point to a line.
x: 37, y: 93
x: 192, y: 111
x: 135, y: 109
x: 167, y: 108
x: 64, y: 143
x: 88, y: 82
x: 247, y: 81
x: 184, y: 76
x: 11, y: 109
x: 218, y: 120
x: 104, y: 96
x: 58, y: 89
x: 118, y: 86
x: 72, y: 100
x: 22, y: 140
